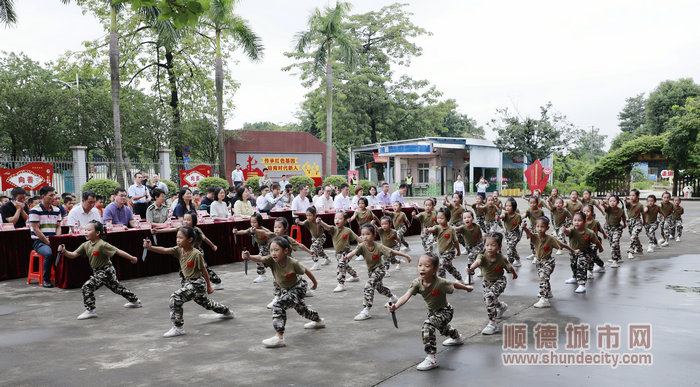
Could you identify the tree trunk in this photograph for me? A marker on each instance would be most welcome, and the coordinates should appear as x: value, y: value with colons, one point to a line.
x: 114, y: 75
x: 172, y: 84
x: 676, y: 176
x: 329, y: 115
x: 219, y: 81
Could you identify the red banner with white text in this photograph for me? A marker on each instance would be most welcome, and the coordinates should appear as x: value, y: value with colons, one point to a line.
x: 31, y: 176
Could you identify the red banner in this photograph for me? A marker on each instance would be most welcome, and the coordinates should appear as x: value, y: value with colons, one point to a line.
x: 536, y: 177
x: 30, y: 177
x: 191, y: 177
x: 380, y: 159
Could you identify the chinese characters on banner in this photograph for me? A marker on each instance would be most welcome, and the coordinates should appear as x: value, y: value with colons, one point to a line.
x: 30, y: 177
x: 192, y: 177
x: 290, y: 164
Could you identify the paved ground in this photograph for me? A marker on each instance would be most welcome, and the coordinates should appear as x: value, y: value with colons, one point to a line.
x: 41, y: 343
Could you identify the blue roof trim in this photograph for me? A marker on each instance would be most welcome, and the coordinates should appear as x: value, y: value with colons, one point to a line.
x: 409, y: 148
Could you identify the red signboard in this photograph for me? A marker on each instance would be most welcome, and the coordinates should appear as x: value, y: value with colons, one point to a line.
x: 191, y: 177
x: 30, y: 177
x: 536, y: 177
x: 380, y: 159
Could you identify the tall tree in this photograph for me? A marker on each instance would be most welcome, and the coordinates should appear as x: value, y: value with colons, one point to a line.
x: 632, y: 116
x: 683, y: 147
x: 326, y: 34
x: 7, y: 12
x: 114, y: 8
x: 659, y: 106
x: 460, y: 125
x: 224, y: 22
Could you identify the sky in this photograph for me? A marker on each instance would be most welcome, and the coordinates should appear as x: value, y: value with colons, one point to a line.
x: 585, y: 58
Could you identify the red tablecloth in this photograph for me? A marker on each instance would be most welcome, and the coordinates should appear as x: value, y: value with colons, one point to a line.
x: 15, y: 247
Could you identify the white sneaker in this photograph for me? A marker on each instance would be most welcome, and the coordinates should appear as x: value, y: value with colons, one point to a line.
x: 274, y: 342
x: 542, y: 303
x: 480, y: 274
x: 490, y: 328
x: 261, y: 278
x: 650, y: 249
x: 269, y: 306
x: 316, y: 266
x: 630, y: 256
x: 392, y: 300
x: 315, y: 324
x: 136, y: 304
x: 310, y: 293
x: 353, y: 279
x: 87, y: 314
x: 326, y: 262
x: 517, y: 263
x: 407, y: 248
x: 615, y: 265
x: 590, y: 275
x: 501, y: 310
x: 571, y: 281
x: 428, y: 364
x: 599, y: 269
x: 534, y: 261
x: 359, y: 258
x: 611, y: 260
x: 450, y: 341
x: 530, y: 256
x: 664, y: 244
x: 558, y: 252
x: 225, y: 316
x: 678, y: 239
x: 387, y: 274
x: 339, y: 288
x: 581, y: 289
x: 174, y: 331
x: 364, y: 315
x: 219, y: 286
x: 398, y: 267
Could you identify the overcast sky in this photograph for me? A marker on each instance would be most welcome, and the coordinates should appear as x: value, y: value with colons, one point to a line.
x: 585, y: 57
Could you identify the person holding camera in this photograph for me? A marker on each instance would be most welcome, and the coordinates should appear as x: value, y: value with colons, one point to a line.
x: 138, y: 193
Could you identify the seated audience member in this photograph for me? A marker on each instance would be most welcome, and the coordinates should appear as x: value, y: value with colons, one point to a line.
x: 118, y: 212
x: 16, y: 211
x: 206, y: 202
x: 45, y: 221
x: 157, y: 212
x: 301, y: 202
x: 85, y: 213
x: 100, y: 203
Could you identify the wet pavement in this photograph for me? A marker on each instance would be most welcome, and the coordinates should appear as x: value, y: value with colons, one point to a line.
x: 41, y: 342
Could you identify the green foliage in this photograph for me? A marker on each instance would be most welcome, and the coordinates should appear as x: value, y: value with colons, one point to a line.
x: 365, y: 184
x: 335, y: 180
x: 298, y: 180
x: 683, y: 147
x: 637, y: 175
x: 172, y: 187
x: 642, y: 184
x: 659, y: 106
x: 102, y: 187
x: 460, y: 125
x: 211, y: 182
x: 622, y: 138
x: 619, y: 162
x: 270, y: 126
x: 632, y: 116
x: 254, y: 183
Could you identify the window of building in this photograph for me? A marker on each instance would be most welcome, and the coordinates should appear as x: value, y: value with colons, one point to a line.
x: 423, y: 172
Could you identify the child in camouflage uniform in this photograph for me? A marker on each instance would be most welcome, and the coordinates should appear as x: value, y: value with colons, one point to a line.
x: 615, y: 222
x: 318, y: 237
x: 447, y: 243
x: 400, y: 222
x: 456, y: 210
x: 287, y: 272
x: 427, y: 219
x: 677, y: 218
x: 651, y: 221
x: 533, y: 213
x: 197, y: 284
x: 471, y: 232
x: 580, y: 240
x: 635, y: 223
x: 341, y: 236
x: 434, y: 291
x: 666, y: 209
x: 99, y: 252
x: 261, y: 240
x: 511, y: 223
x: 593, y: 225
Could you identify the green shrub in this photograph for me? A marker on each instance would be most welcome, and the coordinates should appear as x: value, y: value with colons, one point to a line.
x: 365, y: 184
x: 335, y: 180
x: 211, y: 182
x: 172, y: 187
x: 254, y: 182
x: 296, y: 181
x: 102, y: 187
x: 644, y: 184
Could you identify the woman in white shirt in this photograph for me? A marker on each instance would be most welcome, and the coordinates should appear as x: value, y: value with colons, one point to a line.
x: 242, y: 207
x: 358, y: 194
x: 218, y: 208
x: 458, y: 186
x: 481, y: 187
x: 372, y: 197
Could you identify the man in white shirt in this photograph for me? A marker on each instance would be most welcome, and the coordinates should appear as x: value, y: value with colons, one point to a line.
x: 237, y: 176
x: 159, y: 184
x: 85, y: 213
x: 384, y: 197
x: 301, y: 202
x: 397, y: 196
x: 268, y: 198
x: 342, y: 200
x: 284, y: 181
x: 138, y: 193
x: 325, y: 202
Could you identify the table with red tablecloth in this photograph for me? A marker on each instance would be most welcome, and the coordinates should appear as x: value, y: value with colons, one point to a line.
x: 15, y: 247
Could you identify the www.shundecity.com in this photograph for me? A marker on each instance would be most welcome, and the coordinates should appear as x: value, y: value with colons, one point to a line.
x: 604, y: 358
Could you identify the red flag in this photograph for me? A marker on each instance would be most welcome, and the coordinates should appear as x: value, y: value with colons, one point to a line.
x: 536, y: 178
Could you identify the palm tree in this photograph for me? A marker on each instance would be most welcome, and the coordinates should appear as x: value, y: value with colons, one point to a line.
x: 222, y: 20
x: 7, y: 12
x: 327, y: 34
x: 114, y: 8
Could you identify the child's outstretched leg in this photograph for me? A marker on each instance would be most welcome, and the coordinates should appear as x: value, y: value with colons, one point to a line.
x: 106, y: 276
x: 595, y: 261
x: 291, y: 298
x: 460, y: 237
x: 259, y: 267
x: 561, y: 236
x: 579, y: 270
x: 277, y: 290
x: 635, y: 227
x: 317, y: 248
x: 651, y: 234
x: 344, y: 269
x: 494, y: 308
x: 426, y: 241
x: 193, y: 290
x: 374, y: 282
x: 532, y: 246
x: 545, y: 268
x: 400, y: 233
x: 512, y: 239
x: 440, y: 320
x: 480, y: 222
x: 446, y: 265
x: 679, y: 229
x: 665, y: 227
x: 214, y: 278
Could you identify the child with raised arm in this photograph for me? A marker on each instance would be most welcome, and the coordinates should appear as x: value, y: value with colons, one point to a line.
x: 635, y: 223
x: 593, y: 225
x: 493, y: 267
x: 362, y: 213
x: 390, y: 239
x: 580, y: 240
x: 532, y: 214
x: 373, y: 255
x: 473, y: 240
x: 651, y: 221
x: 434, y: 291
x: 456, y: 210
x: 491, y: 212
x: 677, y: 217
x: 287, y: 271
x: 400, y: 222
x: 479, y: 211
x: 561, y: 217
x: 261, y: 240
x: 447, y: 244
x: 99, y: 254
x: 615, y: 222
x: 511, y: 223
x: 197, y: 284
x: 318, y: 238
x: 427, y: 219
x: 341, y: 236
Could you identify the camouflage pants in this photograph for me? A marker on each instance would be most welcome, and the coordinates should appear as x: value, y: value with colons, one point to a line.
x: 651, y: 232
x: 460, y: 237
x: 531, y: 226
x: 512, y: 239
x: 579, y: 265
x: 446, y: 259
x: 595, y: 258
x: 343, y: 267
x: 493, y: 289
x: 106, y: 276
x: 545, y: 268
x: 678, y: 227
x: 490, y: 226
x: 376, y: 276
x: 317, y: 247
x: 472, y: 251
x: 440, y: 320
x: 213, y: 277
x: 291, y: 298
x: 391, y: 259
x: 428, y: 241
x: 400, y: 233
x: 634, y: 226
x: 194, y: 289
x: 480, y: 222
x: 667, y: 226
x: 561, y: 236
x: 264, y: 250
x: 614, y: 236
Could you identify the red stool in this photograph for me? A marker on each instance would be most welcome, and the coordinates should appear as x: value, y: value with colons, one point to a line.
x: 38, y: 273
x: 295, y: 233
